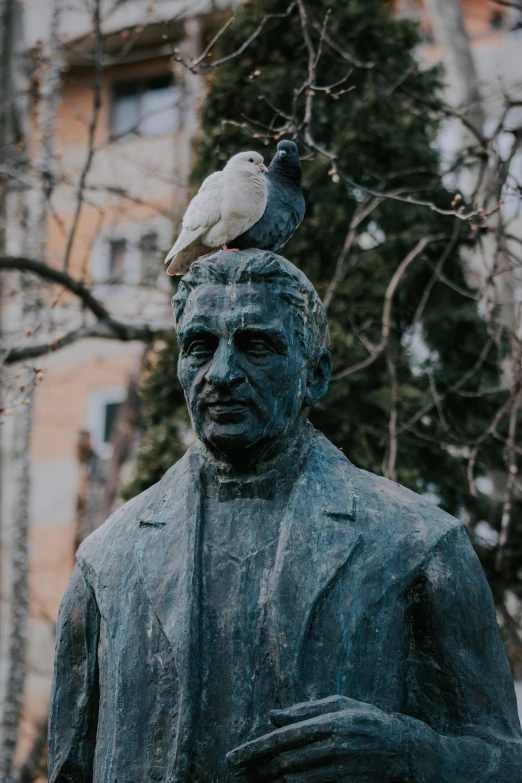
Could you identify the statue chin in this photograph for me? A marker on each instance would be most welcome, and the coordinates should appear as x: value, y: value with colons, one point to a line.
x: 229, y: 429
x: 244, y: 438
x: 232, y: 441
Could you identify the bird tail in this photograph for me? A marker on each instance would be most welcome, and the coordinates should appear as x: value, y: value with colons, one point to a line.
x: 181, y: 263
x: 186, y: 238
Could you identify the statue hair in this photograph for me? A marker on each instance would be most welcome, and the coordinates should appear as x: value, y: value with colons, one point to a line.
x: 270, y: 269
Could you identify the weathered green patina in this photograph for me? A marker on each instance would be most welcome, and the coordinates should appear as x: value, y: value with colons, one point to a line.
x: 267, y: 611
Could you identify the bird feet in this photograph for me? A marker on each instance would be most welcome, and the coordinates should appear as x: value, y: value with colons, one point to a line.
x: 230, y: 249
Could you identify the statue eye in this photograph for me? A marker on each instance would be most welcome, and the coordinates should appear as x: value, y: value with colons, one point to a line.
x: 196, y: 349
x: 256, y: 348
x: 258, y: 345
x: 201, y: 347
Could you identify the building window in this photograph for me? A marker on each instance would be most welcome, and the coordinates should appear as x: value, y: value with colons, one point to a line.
x: 147, y: 107
x: 110, y: 414
x: 497, y: 19
x: 150, y: 261
x: 117, y: 252
x: 103, y: 407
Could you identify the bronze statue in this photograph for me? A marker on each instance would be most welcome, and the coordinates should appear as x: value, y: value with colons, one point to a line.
x: 267, y: 611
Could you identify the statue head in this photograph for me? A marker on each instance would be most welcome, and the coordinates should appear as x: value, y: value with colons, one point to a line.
x: 253, y: 338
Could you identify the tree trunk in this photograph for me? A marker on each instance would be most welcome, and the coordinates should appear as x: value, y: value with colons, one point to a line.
x: 5, y: 90
x: 35, y: 239
x: 450, y: 32
x: 29, y: 771
x: 9, y: 719
x: 19, y: 603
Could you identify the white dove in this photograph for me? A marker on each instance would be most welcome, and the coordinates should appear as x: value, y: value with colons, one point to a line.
x: 228, y: 203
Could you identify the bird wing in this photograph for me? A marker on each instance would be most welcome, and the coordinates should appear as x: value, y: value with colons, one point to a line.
x: 243, y: 203
x: 203, y: 212
x: 285, y: 208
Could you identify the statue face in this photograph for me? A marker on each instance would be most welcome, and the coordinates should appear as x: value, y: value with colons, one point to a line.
x: 241, y: 365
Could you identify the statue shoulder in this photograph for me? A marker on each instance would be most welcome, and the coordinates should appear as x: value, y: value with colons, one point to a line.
x: 387, y: 508
x: 417, y: 522
x: 395, y: 497
x: 117, y: 534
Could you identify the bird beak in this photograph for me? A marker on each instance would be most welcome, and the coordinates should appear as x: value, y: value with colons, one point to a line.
x: 262, y: 166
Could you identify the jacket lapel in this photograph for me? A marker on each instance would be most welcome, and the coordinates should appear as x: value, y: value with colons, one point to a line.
x: 168, y: 551
x: 317, y: 539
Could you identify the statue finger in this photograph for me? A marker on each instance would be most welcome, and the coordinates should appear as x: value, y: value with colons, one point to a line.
x: 311, y: 709
x: 329, y: 761
x: 238, y: 776
x: 286, y: 738
x: 312, y: 759
x: 330, y: 773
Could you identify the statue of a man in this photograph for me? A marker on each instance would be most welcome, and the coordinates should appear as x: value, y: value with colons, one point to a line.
x: 267, y: 611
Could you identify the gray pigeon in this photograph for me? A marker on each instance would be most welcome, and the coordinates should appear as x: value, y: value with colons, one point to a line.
x: 285, y: 206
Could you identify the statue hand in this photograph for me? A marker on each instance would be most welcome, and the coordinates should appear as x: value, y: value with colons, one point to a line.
x: 334, y: 740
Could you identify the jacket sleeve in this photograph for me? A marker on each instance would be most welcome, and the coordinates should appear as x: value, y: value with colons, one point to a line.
x: 74, y: 695
x: 464, y: 726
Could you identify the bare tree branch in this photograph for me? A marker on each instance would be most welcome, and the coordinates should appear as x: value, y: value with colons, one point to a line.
x: 198, y: 67
x: 452, y: 389
x: 511, y: 451
x: 126, y: 333
x: 98, y: 54
x: 511, y: 459
x: 499, y: 415
x: 47, y: 272
x: 445, y: 111
x: 460, y: 214
x: 436, y: 276
x: 391, y: 462
x: 514, y: 645
x: 388, y: 301
x: 108, y: 327
x: 363, y: 210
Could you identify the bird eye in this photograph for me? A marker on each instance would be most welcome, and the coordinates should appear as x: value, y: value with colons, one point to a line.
x: 251, y: 160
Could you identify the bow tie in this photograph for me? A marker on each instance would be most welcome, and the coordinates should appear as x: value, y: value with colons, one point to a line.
x: 260, y: 487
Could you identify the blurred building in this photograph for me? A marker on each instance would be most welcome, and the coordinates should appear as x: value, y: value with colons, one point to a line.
x: 134, y: 192
x: 134, y: 195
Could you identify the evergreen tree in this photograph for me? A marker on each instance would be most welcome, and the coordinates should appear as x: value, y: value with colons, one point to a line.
x: 382, y: 123
x: 167, y: 431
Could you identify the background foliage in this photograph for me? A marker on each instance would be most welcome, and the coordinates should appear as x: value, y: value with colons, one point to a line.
x: 382, y: 123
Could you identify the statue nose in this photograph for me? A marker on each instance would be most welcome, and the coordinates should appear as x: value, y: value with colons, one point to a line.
x: 224, y: 369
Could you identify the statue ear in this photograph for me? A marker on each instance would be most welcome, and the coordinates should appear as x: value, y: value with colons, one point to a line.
x: 318, y: 379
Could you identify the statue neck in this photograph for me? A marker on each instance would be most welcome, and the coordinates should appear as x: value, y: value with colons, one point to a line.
x: 282, y: 455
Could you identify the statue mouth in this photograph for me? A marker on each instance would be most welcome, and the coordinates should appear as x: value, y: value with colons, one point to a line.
x: 227, y: 408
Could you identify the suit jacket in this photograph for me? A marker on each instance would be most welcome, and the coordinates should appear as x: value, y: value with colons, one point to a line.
x: 375, y: 594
